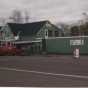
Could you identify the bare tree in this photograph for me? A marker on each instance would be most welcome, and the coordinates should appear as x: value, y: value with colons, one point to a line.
x: 85, y: 17
x: 26, y: 17
x: 17, y: 16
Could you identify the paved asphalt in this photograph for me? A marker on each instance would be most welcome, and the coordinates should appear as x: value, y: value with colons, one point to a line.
x: 43, y: 71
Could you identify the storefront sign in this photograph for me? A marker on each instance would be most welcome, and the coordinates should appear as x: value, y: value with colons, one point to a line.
x: 77, y: 42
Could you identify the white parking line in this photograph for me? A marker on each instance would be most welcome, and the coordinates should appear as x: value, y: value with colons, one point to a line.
x: 44, y: 73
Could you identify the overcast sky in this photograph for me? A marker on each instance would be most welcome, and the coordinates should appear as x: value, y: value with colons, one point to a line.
x: 53, y: 10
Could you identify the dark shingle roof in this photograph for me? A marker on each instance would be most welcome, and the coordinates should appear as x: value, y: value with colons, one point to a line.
x: 0, y: 27
x: 27, y: 29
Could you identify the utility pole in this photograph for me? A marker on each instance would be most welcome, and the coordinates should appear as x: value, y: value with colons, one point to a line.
x: 85, y: 17
x: 26, y: 17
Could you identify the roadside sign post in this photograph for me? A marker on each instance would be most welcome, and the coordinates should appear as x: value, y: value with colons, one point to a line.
x: 76, y: 55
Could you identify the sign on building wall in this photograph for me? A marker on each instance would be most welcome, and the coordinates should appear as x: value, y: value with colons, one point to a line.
x: 77, y: 42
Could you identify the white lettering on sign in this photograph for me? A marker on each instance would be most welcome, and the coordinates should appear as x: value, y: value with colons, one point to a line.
x: 76, y: 42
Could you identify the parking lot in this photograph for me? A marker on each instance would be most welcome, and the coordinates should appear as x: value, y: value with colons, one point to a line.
x: 43, y: 71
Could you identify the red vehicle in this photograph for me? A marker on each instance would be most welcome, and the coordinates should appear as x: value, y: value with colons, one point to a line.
x: 9, y: 48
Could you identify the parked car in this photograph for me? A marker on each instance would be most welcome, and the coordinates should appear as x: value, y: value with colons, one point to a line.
x: 8, y: 48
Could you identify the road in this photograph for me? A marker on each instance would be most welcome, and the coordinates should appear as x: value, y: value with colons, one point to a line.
x: 43, y: 71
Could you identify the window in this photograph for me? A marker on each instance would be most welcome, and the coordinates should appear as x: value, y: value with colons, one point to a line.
x: 56, y: 34
x: 46, y: 33
x: 3, y: 44
x: 85, y: 33
x: 75, y: 31
x: 0, y: 43
x: 49, y: 33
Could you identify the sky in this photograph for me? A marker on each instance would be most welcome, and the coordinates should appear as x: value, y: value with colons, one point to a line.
x: 53, y: 10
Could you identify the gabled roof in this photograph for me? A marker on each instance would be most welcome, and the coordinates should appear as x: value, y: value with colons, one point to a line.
x: 26, y: 29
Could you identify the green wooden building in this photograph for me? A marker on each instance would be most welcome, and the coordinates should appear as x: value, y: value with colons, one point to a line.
x: 66, y: 45
x: 52, y: 39
x: 28, y: 32
x: 42, y: 29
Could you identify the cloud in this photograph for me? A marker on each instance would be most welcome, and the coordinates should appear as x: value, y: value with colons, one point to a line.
x: 54, y: 10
